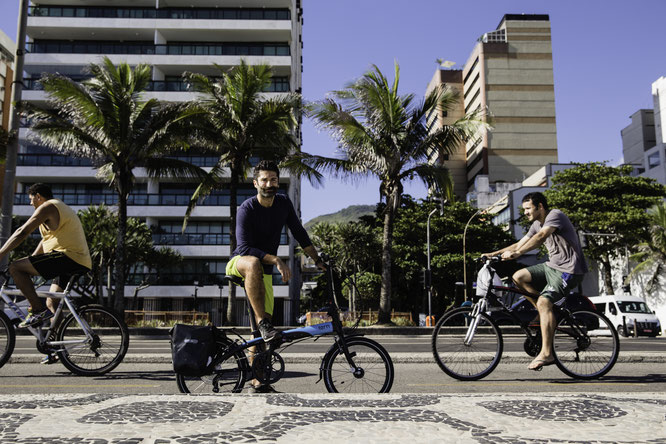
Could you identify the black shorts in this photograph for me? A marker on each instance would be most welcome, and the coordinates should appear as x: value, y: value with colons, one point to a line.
x: 57, y: 266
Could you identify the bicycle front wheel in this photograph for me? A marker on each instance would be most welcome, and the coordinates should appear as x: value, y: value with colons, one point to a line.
x: 586, y: 345
x: 467, y: 360
x: 97, y: 355
x: 371, y: 372
x: 226, y: 377
x: 7, y: 338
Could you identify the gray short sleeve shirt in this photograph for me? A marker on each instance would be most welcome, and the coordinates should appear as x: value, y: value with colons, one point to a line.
x: 564, y: 250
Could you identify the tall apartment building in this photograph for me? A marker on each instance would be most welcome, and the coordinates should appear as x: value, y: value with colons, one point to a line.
x: 7, y: 51
x: 509, y: 74
x: 644, y: 140
x: 173, y: 36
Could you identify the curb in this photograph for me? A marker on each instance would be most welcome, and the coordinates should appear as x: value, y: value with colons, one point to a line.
x: 397, y: 358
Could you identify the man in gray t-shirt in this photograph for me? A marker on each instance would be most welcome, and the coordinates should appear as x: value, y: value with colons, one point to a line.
x: 551, y: 281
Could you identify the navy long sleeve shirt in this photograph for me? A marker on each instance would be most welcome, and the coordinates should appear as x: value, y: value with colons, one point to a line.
x: 258, y: 228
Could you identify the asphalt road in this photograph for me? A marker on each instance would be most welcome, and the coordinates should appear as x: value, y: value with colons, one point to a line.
x: 424, y: 377
x: 302, y: 378
x: 393, y: 344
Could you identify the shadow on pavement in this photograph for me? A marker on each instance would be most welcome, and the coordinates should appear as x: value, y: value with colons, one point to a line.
x: 651, y: 378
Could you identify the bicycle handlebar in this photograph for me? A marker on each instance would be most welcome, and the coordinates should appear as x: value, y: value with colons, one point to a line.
x: 486, y: 259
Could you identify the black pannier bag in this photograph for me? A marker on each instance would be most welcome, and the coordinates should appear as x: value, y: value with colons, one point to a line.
x: 192, y: 348
x: 575, y: 302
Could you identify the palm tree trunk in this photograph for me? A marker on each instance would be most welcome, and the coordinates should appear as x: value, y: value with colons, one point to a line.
x: 119, y: 268
x: 109, y: 285
x: 608, y: 276
x: 233, y: 203
x: 384, y: 316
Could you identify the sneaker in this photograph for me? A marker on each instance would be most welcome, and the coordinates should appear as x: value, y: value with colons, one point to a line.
x: 49, y: 359
x: 262, y: 389
x: 36, y: 319
x: 268, y: 332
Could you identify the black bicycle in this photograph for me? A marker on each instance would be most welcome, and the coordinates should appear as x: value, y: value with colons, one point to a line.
x: 467, y: 341
x: 353, y: 364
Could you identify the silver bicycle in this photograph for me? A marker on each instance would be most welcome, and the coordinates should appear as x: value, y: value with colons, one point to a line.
x: 90, y: 340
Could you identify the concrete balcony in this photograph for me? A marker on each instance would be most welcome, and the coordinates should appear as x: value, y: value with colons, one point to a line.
x: 167, y: 63
x: 194, y: 251
x: 207, y: 291
x: 170, y: 29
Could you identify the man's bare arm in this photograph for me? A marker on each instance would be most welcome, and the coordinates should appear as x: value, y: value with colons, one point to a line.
x: 282, y: 267
x: 532, y: 243
x: 511, y: 247
x: 39, y: 249
x: 40, y: 216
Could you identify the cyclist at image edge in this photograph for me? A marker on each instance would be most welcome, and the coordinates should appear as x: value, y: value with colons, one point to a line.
x: 62, y: 252
x: 552, y: 280
x: 259, y: 226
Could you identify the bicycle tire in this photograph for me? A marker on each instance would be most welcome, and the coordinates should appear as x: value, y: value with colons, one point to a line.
x: 7, y: 338
x: 589, y: 356
x: 101, y: 355
x: 374, y: 372
x: 228, y: 376
x: 466, y: 362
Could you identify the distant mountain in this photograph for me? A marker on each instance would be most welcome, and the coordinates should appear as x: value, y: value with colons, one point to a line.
x: 349, y: 214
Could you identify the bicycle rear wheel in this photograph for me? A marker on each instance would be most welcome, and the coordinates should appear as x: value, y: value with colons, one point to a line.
x: 372, y: 371
x: 7, y: 338
x: 472, y: 361
x: 227, y: 377
x: 586, y: 345
x: 102, y: 353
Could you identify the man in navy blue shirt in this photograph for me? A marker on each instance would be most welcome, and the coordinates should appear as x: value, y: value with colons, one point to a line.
x: 259, y: 226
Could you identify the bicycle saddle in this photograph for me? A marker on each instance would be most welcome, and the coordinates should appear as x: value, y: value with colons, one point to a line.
x: 233, y: 279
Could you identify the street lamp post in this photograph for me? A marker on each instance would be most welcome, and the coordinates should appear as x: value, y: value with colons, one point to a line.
x: 12, y: 147
x: 428, y: 276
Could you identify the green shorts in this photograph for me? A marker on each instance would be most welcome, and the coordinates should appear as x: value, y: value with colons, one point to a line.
x: 231, y: 270
x: 556, y: 284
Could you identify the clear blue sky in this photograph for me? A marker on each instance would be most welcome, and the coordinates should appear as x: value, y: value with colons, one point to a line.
x: 606, y: 54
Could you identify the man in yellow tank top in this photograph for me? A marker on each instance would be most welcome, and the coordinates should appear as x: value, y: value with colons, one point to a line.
x: 62, y: 252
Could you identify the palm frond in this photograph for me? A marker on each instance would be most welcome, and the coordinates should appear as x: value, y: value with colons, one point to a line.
x: 208, y: 183
x: 169, y: 167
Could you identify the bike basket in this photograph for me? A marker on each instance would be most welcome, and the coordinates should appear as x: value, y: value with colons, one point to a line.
x: 192, y: 348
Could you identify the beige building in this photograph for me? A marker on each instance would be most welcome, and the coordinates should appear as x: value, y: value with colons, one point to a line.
x: 7, y: 51
x: 508, y: 77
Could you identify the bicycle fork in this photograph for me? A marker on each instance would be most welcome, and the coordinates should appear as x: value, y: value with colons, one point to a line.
x: 476, y: 316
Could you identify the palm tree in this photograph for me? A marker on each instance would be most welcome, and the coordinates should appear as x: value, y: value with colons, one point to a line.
x: 104, y: 119
x: 240, y: 123
x: 651, y: 256
x: 386, y: 135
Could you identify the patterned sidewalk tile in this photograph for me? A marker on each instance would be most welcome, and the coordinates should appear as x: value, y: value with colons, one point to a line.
x: 286, y: 418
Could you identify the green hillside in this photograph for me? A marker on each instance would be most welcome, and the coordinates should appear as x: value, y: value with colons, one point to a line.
x: 349, y: 214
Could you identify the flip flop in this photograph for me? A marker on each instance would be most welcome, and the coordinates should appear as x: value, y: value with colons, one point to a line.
x: 541, y: 363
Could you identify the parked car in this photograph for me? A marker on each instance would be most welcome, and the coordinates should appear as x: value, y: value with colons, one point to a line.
x: 630, y: 311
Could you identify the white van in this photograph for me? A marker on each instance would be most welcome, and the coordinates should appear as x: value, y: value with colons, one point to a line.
x: 630, y: 311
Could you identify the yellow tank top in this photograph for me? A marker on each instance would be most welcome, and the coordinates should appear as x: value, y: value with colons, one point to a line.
x: 68, y: 237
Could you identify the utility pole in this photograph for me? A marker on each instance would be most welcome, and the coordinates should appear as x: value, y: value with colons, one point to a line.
x: 14, y: 123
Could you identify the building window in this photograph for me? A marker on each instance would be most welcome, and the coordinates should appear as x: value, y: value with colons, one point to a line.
x: 654, y: 159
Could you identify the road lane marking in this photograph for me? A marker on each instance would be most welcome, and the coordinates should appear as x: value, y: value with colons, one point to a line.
x: 76, y: 385
x: 524, y: 382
